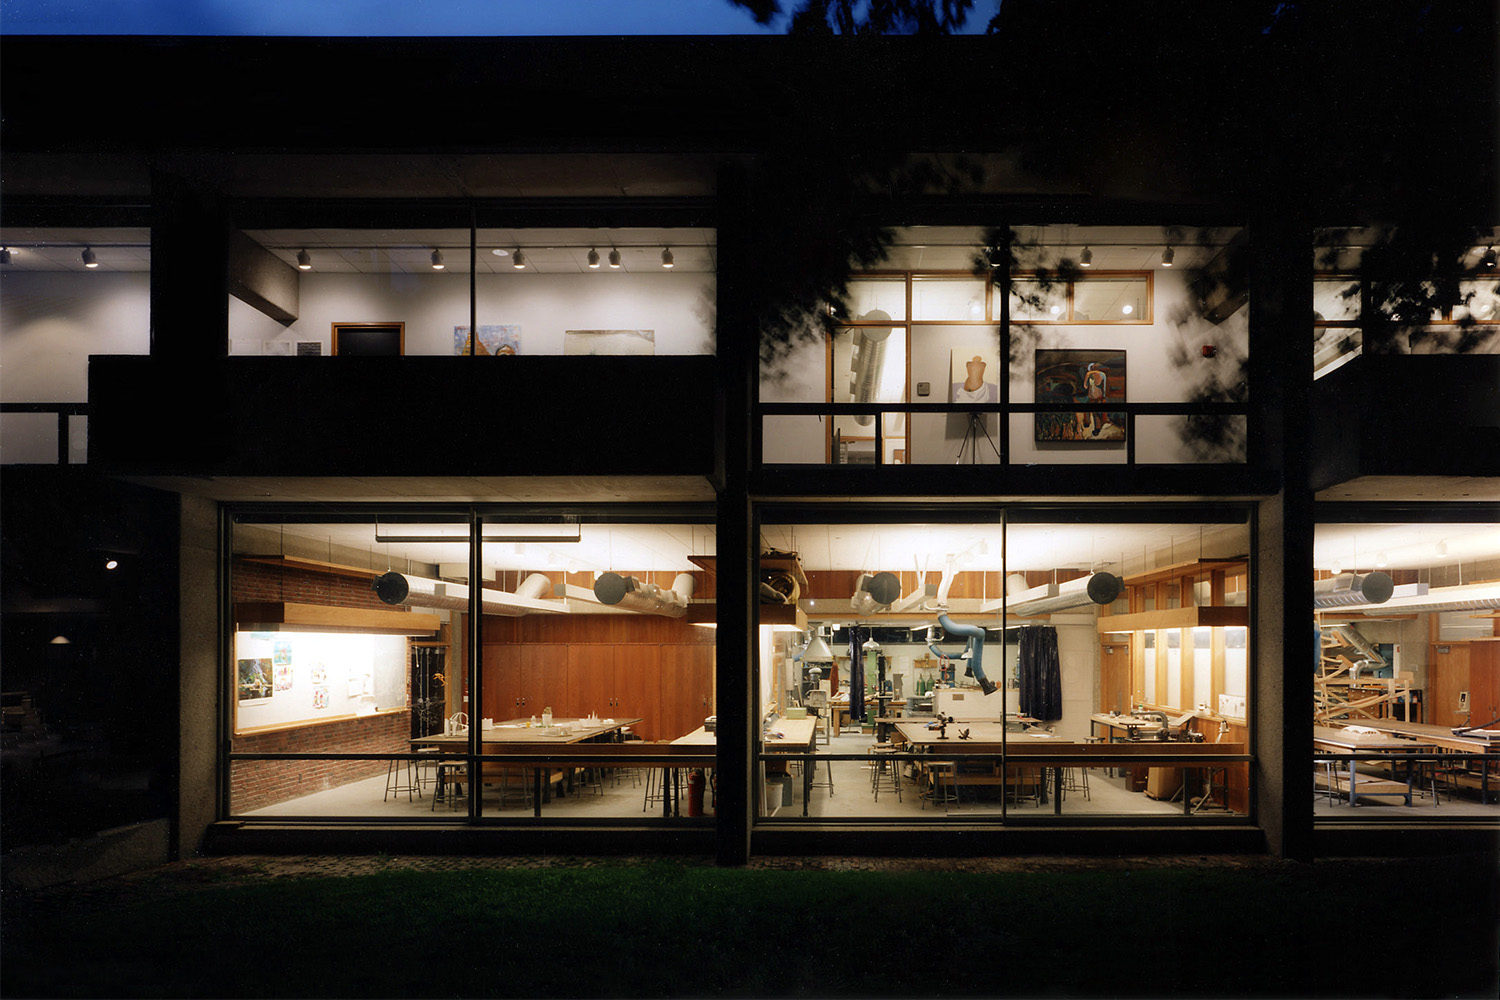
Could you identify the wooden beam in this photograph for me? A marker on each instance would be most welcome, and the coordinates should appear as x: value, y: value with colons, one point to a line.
x: 323, y: 616
x: 1200, y: 617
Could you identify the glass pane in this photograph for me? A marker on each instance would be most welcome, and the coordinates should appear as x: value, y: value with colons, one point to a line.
x: 885, y: 296
x: 1033, y: 302
x: 1335, y: 299
x: 1483, y: 301
x: 794, y: 440
x: 947, y: 299
x: 1111, y: 300
x: 869, y: 365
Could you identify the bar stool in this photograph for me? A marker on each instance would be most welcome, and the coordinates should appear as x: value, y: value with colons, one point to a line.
x: 515, y: 786
x: 816, y: 782
x: 397, y: 782
x: 884, y: 771
x: 452, y: 773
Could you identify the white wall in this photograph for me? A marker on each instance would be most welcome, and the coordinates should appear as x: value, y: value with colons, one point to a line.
x: 359, y: 674
x: 50, y: 322
x: 678, y: 307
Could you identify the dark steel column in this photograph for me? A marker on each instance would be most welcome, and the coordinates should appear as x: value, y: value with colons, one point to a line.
x: 737, y: 344
x: 189, y: 272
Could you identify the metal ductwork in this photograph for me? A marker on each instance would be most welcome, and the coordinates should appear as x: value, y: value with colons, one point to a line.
x: 1350, y: 589
x: 867, y: 362
x: 415, y: 591
x: 1097, y: 588
x: 630, y: 594
x: 875, y: 592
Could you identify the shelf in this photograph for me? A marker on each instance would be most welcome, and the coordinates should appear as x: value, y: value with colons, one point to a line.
x: 1203, y: 616
x: 283, y: 616
x: 1179, y: 570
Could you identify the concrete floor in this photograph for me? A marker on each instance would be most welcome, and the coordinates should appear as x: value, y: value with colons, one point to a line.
x: 622, y: 795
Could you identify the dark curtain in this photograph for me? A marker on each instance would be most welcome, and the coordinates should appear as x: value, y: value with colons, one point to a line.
x: 857, y: 636
x: 1041, y: 674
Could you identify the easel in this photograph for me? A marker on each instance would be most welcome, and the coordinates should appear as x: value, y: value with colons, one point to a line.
x: 970, y: 442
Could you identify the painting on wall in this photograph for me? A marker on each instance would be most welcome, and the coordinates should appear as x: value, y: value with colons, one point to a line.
x: 255, y: 681
x: 973, y: 374
x: 320, y: 696
x: 1080, y: 376
x: 614, y: 342
x: 495, y: 340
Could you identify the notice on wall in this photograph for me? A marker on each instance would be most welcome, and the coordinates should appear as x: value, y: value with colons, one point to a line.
x: 314, y: 675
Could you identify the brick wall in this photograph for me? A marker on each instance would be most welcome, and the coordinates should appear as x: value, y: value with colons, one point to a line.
x: 254, y: 784
x: 260, y: 582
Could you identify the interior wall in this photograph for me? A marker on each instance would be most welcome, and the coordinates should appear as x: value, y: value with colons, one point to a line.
x: 679, y: 308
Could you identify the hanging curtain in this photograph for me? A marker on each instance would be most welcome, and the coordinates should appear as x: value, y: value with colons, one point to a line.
x: 1041, y: 673
x: 857, y: 637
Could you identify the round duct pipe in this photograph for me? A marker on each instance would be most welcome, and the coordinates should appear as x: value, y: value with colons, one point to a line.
x: 414, y: 591
x: 636, y: 595
x: 1349, y: 589
x: 875, y: 592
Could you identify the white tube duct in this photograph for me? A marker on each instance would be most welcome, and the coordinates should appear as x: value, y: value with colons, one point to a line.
x: 1098, y: 588
x: 1349, y: 589
x: 867, y: 363
x: 414, y: 591
x: 648, y: 598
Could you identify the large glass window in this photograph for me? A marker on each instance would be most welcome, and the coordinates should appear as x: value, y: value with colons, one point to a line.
x: 1022, y: 666
x: 535, y: 291
x: 1406, y: 687
x: 1038, y: 361
x: 357, y: 691
x: 65, y: 294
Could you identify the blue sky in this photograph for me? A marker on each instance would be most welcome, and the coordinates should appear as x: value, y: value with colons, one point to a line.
x: 387, y: 17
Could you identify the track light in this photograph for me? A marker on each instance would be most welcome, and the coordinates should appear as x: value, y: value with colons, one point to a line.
x: 1488, y: 260
x: 593, y: 258
x: 89, y: 260
x: 1086, y: 259
x: 4, y: 255
x: 614, y: 258
x: 1167, y: 257
x: 304, y: 260
x: 437, y: 260
x: 666, y: 258
x: 516, y: 260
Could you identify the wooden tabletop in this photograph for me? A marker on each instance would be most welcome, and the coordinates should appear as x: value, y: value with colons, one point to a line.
x: 518, y: 731
x: 1343, y: 739
x: 1125, y: 721
x: 982, y: 734
x: 783, y: 734
x: 1438, y: 736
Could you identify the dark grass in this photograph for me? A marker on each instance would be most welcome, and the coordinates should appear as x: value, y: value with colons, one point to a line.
x: 1419, y: 927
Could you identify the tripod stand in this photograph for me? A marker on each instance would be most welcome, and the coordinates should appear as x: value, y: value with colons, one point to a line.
x: 970, y: 442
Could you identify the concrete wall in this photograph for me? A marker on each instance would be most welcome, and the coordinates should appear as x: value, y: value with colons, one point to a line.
x: 198, y: 728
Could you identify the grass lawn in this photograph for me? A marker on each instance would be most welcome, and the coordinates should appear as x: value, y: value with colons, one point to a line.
x: 1417, y: 927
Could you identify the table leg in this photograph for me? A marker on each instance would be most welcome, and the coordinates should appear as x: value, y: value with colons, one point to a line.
x: 536, y: 792
x: 1353, y: 795
x: 1057, y: 790
x: 807, y: 776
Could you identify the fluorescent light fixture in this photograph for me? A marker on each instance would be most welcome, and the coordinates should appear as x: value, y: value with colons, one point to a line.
x: 666, y: 258
x: 437, y: 260
x: 88, y: 258
x: 614, y: 258
x: 1086, y: 259
x: 593, y: 258
x: 304, y: 260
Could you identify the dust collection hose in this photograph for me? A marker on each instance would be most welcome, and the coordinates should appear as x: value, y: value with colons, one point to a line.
x: 975, y: 648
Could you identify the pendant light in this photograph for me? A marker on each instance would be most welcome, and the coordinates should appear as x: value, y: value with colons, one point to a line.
x: 1488, y: 260
x: 304, y: 260
x: 1086, y: 259
x: 1167, y: 256
x: 517, y: 261
x: 4, y: 255
x: 614, y: 258
x: 593, y: 258
x: 437, y: 260
x: 666, y: 258
x: 88, y: 258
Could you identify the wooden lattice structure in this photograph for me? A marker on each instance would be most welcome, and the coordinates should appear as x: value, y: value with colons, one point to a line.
x: 1340, y: 693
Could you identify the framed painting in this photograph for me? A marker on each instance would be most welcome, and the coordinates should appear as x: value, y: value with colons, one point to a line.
x: 369, y: 339
x: 255, y: 681
x: 1091, y: 377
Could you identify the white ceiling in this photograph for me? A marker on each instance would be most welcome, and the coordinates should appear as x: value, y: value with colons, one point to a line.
x: 1404, y: 546
x: 61, y: 249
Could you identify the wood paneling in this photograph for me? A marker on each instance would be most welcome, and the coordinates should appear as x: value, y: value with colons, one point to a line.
x: 1447, y: 675
x: 1114, y: 676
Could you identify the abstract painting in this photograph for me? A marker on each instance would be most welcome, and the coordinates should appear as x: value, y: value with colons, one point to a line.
x: 1081, y: 376
x: 494, y: 340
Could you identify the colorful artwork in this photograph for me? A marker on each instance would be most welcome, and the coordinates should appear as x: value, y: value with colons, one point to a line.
x: 579, y: 342
x: 284, y: 677
x: 320, y: 695
x: 319, y: 674
x: 255, y: 679
x: 494, y: 340
x: 1080, y: 376
x: 973, y: 375
x: 281, y: 653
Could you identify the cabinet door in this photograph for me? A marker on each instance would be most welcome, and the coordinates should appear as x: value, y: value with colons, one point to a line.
x: 591, y: 681
x: 637, y: 688
x: 544, y: 679
x: 685, y: 686
x: 501, y: 670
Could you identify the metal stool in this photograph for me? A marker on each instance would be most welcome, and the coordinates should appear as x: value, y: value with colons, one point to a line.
x: 656, y: 785
x: 449, y: 772
x: 884, y: 771
x: 944, y: 789
x: 395, y: 784
x: 816, y: 782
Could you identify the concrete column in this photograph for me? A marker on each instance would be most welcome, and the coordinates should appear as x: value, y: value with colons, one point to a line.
x: 198, y: 675
x: 189, y: 271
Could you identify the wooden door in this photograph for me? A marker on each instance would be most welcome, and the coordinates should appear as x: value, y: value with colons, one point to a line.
x: 1114, y: 676
x: 544, y: 679
x: 501, y: 684
x: 686, y: 682
x: 1447, y: 675
x: 637, y: 689
x: 591, y: 681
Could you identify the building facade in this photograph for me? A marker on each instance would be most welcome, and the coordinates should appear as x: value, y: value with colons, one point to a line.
x: 561, y: 465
